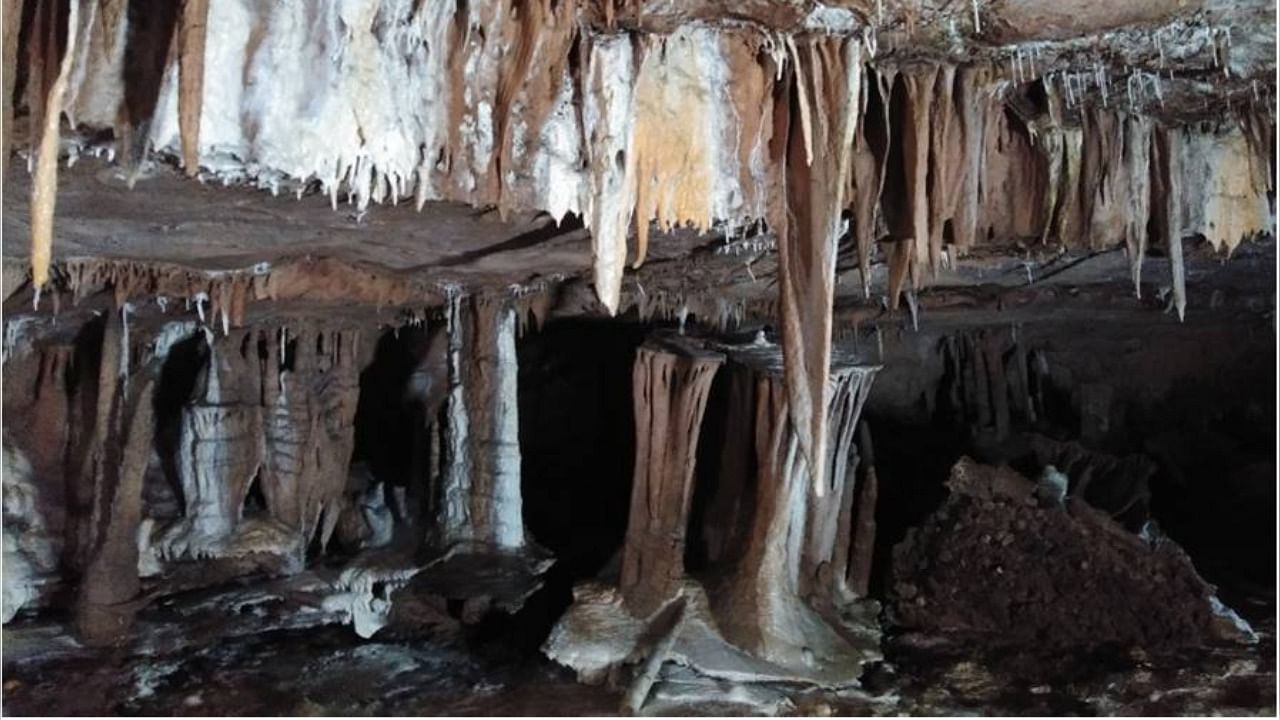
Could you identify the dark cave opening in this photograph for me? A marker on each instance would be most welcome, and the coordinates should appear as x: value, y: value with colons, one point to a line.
x: 179, y: 377
x: 576, y: 446
x: 393, y: 424
x: 1193, y: 450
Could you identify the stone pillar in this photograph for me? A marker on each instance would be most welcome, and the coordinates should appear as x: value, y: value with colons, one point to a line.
x: 671, y: 380
x: 480, y: 498
x: 117, y: 461
x: 785, y: 591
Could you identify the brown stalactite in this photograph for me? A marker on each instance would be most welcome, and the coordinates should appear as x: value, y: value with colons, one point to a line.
x: 916, y: 141
x: 671, y: 381
x: 973, y: 99
x: 191, y: 40
x: 830, y: 69
x: 947, y: 162
x: 44, y: 188
x: 870, y: 156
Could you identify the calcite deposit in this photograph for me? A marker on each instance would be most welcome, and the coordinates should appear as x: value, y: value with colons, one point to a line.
x: 637, y: 334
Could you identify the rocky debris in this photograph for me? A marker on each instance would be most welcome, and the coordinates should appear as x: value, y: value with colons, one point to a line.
x: 998, y: 566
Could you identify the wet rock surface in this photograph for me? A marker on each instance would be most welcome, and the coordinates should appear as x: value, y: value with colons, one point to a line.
x: 330, y: 671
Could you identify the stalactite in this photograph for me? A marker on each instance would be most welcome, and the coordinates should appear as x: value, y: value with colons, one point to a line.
x: 607, y: 126
x: 1225, y: 180
x: 973, y: 100
x: 191, y: 40
x: 870, y: 156
x: 1137, y: 163
x: 44, y: 187
x: 946, y: 160
x: 807, y: 246
x: 1169, y: 141
x: 95, y: 95
x: 916, y: 136
x: 671, y: 380
x: 535, y: 117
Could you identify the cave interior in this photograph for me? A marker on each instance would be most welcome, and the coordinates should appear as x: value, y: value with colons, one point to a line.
x: 586, y: 357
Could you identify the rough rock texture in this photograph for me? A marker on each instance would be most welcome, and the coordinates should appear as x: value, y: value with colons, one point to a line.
x: 1002, y: 562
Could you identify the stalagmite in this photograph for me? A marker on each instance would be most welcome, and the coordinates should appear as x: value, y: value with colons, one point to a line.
x: 825, y: 560
x: 191, y: 40
x: 864, y: 528
x: 123, y: 429
x: 44, y: 188
x: 671, y: 381
x: 30, y: 553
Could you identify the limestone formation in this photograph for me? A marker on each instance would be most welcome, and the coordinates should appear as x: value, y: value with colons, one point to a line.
x: 421, y: 315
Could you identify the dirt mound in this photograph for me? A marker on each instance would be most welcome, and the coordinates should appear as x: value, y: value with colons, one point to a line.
x: 1009, y: 560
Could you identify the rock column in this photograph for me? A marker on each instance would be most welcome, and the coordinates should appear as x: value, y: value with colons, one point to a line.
x: 671, y: 380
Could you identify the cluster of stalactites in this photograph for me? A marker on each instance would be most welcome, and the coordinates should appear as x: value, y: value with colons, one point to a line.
x: 518, y: 105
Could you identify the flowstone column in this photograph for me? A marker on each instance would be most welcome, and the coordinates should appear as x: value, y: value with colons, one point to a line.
x: 479, y: 500
x: 783, y: 599
x: 671, y: 381
x: 775, y: 603
x: 122, y: 432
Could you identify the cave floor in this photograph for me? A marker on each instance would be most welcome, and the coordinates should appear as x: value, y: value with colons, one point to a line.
x: 330, y: 671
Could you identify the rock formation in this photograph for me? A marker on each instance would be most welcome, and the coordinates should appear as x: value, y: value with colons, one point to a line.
x: 799, y: 227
